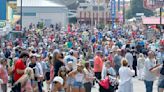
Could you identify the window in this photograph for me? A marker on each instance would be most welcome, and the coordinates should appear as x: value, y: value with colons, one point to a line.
x: 29, y: 14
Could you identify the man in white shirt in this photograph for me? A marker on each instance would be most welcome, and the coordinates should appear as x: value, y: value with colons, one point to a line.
x: 149, y: 77
x: 39, y: 73
x: 129, y: 57
x: 71, y: 57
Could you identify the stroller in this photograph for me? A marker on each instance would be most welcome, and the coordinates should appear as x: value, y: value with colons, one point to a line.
x: 109, y: 84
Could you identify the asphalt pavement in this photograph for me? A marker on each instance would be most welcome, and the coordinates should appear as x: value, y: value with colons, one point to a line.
x: 138, y: 86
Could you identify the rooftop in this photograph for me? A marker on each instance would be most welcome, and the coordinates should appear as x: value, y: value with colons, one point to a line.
x: 38, y: 3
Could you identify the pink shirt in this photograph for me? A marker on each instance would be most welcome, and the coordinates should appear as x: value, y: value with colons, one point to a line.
x: 110, y: 58
x: 3, y: 74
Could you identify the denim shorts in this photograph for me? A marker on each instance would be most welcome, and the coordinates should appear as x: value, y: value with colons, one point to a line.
x: 70, y: 81
x: 78, y: 84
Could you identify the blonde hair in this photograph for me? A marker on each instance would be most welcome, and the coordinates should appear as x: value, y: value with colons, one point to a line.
x: 29, y: 71
x: 124, y: 62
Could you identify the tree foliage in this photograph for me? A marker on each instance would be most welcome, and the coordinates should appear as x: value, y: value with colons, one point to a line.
x: 136, y: 6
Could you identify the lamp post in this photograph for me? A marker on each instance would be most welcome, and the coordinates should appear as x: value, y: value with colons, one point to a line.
x: 160, y: 16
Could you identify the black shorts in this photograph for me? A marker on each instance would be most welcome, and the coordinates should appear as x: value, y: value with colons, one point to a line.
x: 47, y: 76
x: 161, y: 84
x: 98, y: 75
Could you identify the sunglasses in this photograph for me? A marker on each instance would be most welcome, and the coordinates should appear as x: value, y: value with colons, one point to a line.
x: 55, y: 82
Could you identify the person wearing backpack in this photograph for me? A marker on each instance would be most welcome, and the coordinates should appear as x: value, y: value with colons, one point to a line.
x: 159, y: 70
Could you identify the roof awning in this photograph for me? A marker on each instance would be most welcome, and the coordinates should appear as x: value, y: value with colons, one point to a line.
x: 152, y: 20
x: 38, y: 3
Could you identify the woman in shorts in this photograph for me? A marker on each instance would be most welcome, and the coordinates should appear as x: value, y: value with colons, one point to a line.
x: 79, y: 77
x: 159, y: 70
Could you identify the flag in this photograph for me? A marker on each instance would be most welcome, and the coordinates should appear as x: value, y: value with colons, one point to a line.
x: 118, y: 5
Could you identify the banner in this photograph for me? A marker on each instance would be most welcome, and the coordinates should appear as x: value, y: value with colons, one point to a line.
x: 3, y: 9
x: 113, y: 12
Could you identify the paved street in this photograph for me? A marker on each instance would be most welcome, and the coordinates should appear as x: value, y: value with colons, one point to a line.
x: 138, y: 86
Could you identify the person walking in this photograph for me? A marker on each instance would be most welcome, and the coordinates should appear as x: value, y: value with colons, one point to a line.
x: 57, y: 62
x: 149, y: 77
x: 117, y: 61
x: 98, y: 65
x: 140, y: 66
x: 32, y: 65
x: 39, y: 73
x: 159, y: 70
x: 79, y: 76
x: 3, y: 74
x: 129, y: 57
x: 19, y: 69
x: 126, y: 74
x: 89, y: 77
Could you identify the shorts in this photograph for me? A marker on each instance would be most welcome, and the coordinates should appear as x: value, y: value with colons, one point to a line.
x: 98, y: 75
x: 70, y: 81
x: 78, y: 84
x: 47, y: 77
x: 161, y: 84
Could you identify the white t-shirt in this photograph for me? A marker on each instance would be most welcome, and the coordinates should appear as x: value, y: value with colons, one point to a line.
x: 147, y: 74
x: 39, y: 70
x: 125, y: 74
x: 129, y: 57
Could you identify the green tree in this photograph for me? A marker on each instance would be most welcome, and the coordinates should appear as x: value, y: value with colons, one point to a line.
x: 136, y: 6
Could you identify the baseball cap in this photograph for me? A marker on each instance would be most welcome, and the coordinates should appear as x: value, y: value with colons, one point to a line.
x: 58, y: 79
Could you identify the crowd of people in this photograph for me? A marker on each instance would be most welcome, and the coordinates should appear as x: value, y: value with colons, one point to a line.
x: 76, y: 59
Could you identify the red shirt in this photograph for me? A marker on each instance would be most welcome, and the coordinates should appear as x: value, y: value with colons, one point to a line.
x: 18, y: 65
x: 98, y: 64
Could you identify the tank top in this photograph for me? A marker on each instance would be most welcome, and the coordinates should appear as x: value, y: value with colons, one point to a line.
x: 79, y: 77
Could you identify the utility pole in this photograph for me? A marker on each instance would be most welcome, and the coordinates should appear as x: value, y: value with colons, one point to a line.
x: 161, y: 19
x: 21, y: 16
x: 123, y: 11
x: 161, y: 16
x: 92, y: 16
x: 98, y: 12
